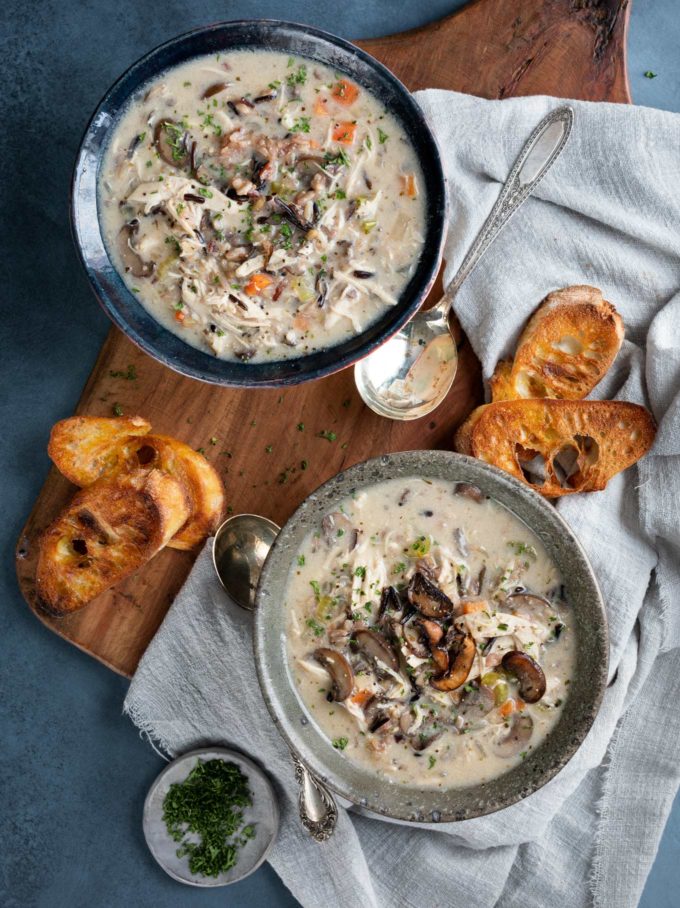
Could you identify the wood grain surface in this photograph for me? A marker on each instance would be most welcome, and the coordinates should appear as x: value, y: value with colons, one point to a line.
x: 491, y: 48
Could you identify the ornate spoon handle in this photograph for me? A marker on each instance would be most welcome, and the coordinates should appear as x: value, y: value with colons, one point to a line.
x: 318, y: 810
x: 539, y: 153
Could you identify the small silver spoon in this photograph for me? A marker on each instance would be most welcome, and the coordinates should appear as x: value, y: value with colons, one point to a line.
x: 409, y: 375
x: 240, y: 547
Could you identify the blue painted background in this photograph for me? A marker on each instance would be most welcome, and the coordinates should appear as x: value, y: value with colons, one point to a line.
x: 73, y: 771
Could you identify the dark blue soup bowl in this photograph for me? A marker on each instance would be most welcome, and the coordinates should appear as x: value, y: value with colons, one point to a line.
x: 127, y: 312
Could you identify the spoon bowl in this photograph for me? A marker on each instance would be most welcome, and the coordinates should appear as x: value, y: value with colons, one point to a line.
x: 412, y: 372
x: 240, y: 547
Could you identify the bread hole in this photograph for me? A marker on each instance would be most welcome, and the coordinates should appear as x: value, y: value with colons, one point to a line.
x: 532, y: 465
x: 79, y: 546
x: 146, y: 455
x: 565, y: 464
x: 589, y: 449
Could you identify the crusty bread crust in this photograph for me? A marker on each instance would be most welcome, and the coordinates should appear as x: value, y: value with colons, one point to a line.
x: 85, y: 448
x: 201, y: 480
x: 565, y: 349
x: 104, y: 534
x: 581, y: 443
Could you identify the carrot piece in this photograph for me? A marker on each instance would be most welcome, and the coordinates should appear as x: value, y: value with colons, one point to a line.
x: 508, y: 708
x: 179, y: 315
x: 345, y: 92
x: 408, y: 181
x: 470, y: 606
x: 321, y: 107
x: 511, y: 706
x: 361, y: 696
x: 257, y: 283
x: 344, y: 132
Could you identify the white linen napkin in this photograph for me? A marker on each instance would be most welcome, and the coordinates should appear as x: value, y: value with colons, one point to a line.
x: 607, y: 214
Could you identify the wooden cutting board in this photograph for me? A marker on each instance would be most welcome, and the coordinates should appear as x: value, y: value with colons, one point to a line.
x: 491, y: 48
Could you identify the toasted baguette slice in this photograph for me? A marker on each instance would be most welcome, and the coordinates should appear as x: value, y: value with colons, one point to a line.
x: 559, y: 446
x: 85, y: 448
x: 567, y: 346
x: 200, y: 479
x: 107, y: 531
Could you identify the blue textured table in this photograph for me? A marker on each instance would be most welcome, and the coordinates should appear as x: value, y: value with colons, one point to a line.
x: 74, y: 772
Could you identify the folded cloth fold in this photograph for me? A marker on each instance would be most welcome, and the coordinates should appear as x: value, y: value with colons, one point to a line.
x: 606, y: 214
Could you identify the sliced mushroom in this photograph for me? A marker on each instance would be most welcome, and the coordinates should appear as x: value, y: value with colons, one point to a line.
x: 428, y: 598
x: 530, y: 606
x: 376, y: 714
x: 322, y: 287
x: 467, y: 490
x: 389, y: 602
x: 413, y: 638
x: 461, y: 542
x: 170, y: 140
x: 528, y: 672
x: 270, y: 94
x: 476, y: 702
x: 337, y: 526
x: 441, y: 659
x: 433, y: 631
x: 339, y: 669
x: 422, y: 741
x: 517, y: 738
x: 461, y: 657
x: 214, y: 89
x: 132, y: 261
x: 373, y: 644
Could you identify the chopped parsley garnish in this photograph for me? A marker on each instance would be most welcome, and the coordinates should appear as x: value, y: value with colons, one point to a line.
x: 300, y: 125
x: 301, y: 560
x: 300, y: 427
x: 340, y: 194
x: 129, y: 375
x: 337, y: 157
x: 117, y: 410
x: 382, y: 136
x: 360, y: 572
x: 421, y: 546
x: 268, y: 449
x: 521, y: 548
x: 649, y: 74
x: 327, y: 434
x: 431, y: 762
x: 206, y: 193
x: 315, y: 626
x: 399, y: 568
x: 340, y: 743
x: 297, y: 78
x: 209, y: 805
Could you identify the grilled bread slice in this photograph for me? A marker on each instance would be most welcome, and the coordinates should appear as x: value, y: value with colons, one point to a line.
x: 201, y: 481
x: 108, y: 530
x: 567, y: 346
x: 558, y: 446
x: 85, y: 448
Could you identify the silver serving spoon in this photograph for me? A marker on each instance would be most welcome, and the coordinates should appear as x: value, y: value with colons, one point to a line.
x: 240, y: 547
x: 409, y: 375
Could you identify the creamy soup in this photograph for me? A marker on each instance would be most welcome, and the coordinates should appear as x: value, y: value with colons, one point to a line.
x: 428, y: 635
x: 261, y: 206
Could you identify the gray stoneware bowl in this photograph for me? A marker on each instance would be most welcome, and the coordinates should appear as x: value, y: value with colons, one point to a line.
x: 358, y: 784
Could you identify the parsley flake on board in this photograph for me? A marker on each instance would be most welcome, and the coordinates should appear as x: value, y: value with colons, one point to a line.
x: 209, y: 804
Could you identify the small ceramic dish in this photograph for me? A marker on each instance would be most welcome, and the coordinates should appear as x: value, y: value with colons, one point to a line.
x: 358, y: 783
x: 124, y: 308
x: 264, y: 813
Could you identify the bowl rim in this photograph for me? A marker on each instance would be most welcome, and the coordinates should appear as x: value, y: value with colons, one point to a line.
x: 293, y: 720
x: 161, y: 343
